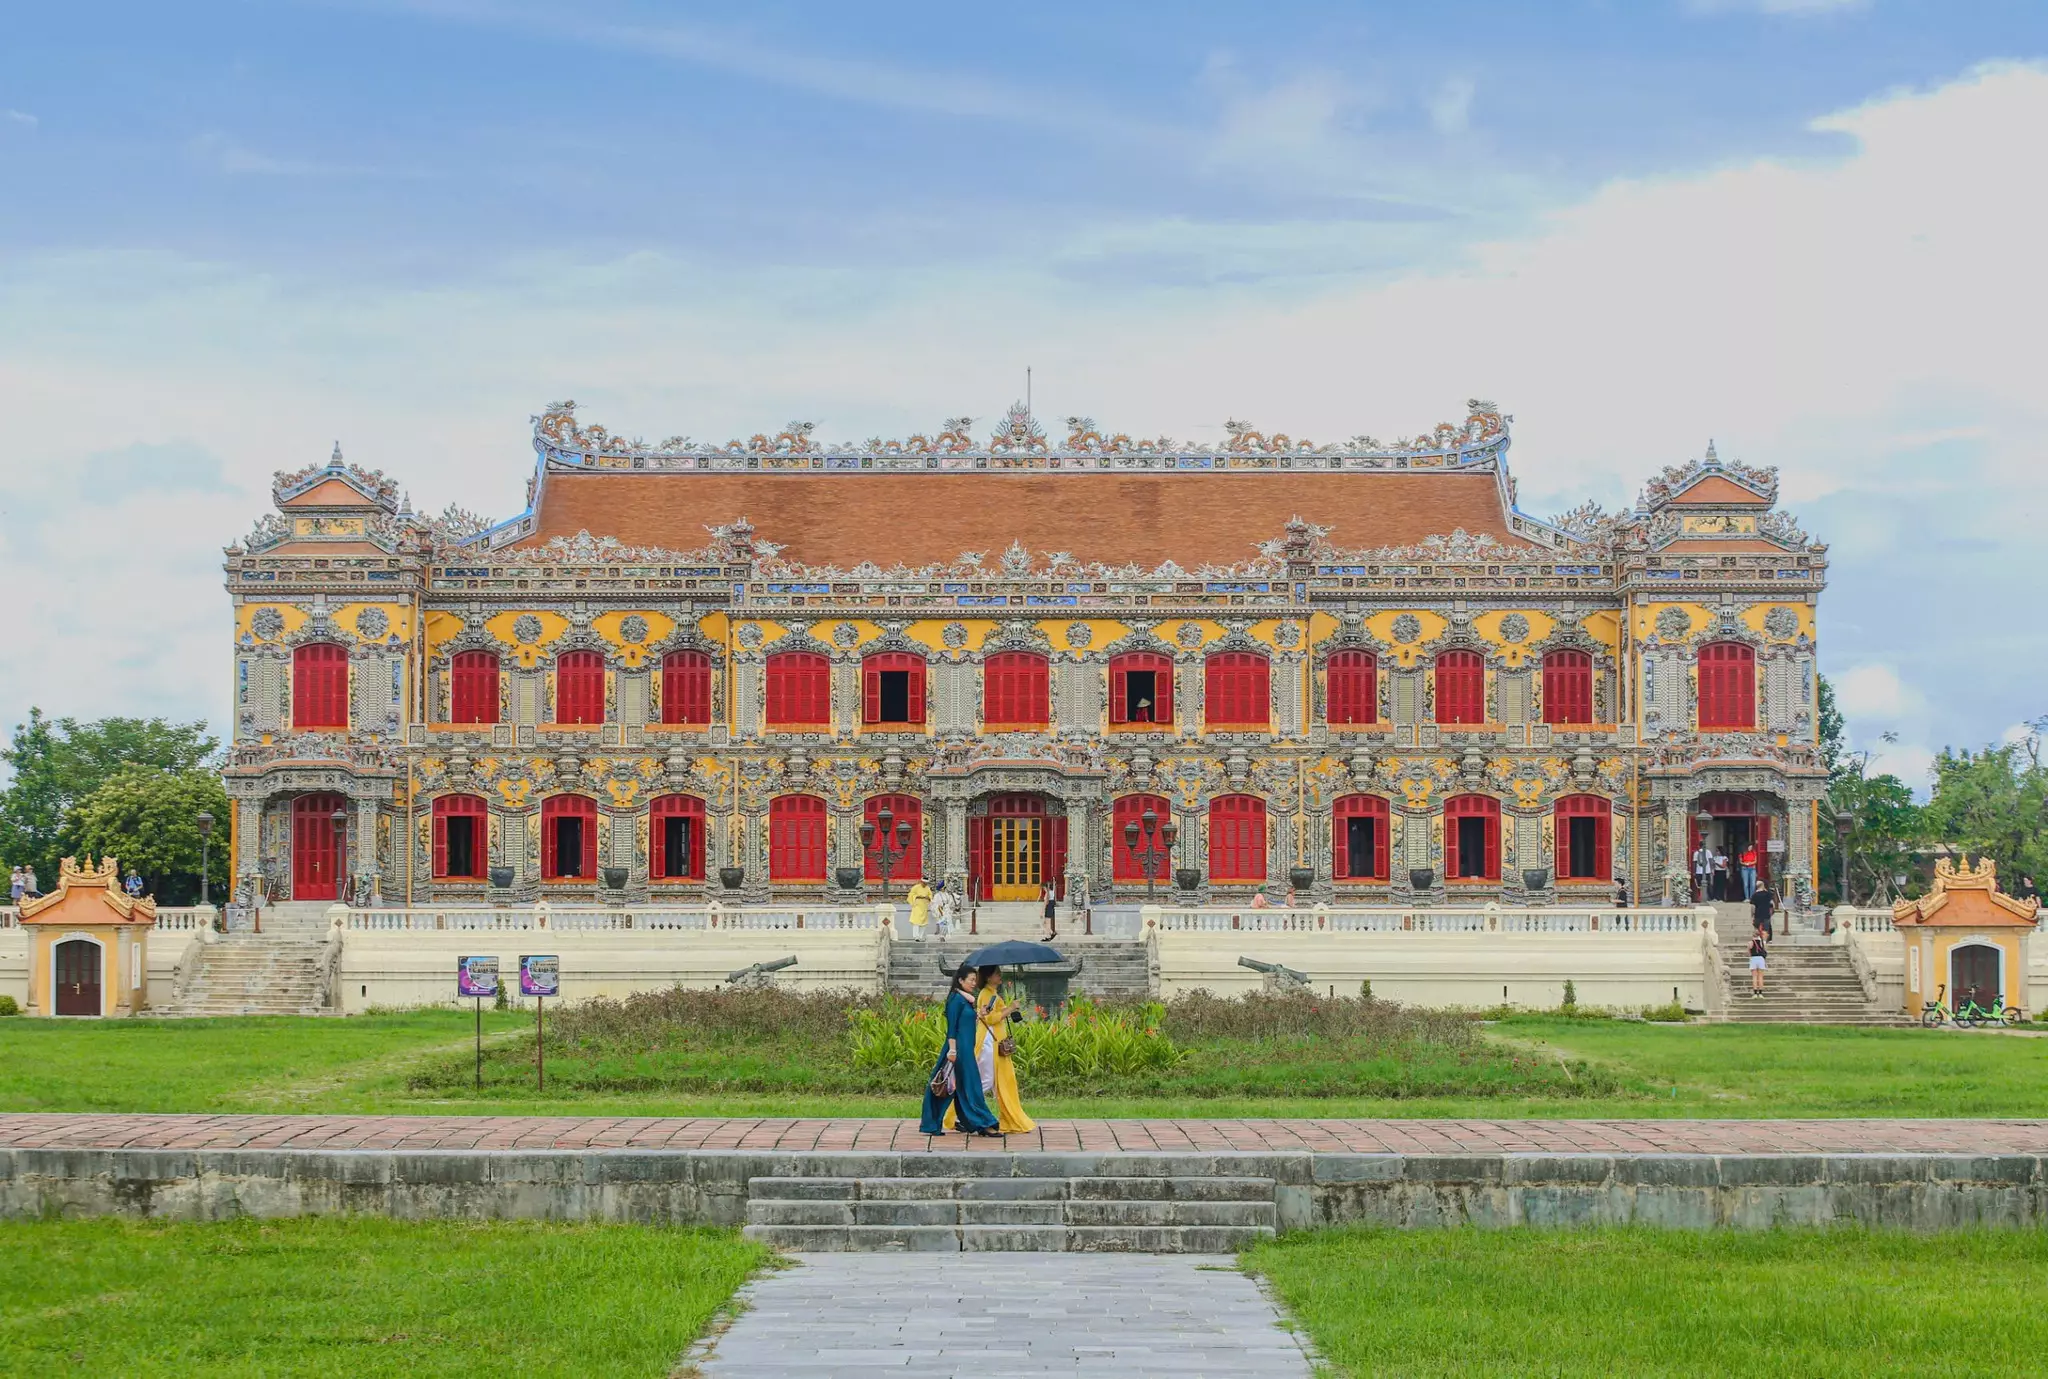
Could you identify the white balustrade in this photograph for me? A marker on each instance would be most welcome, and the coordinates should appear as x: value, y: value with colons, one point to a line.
x: 608, y: 919
x: 1330, y: 919
x: 184, y: 919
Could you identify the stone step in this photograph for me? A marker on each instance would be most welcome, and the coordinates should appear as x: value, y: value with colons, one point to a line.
x: 1130, y: 1213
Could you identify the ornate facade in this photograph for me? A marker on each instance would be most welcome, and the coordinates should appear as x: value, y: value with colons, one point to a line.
x: 1356, y: 668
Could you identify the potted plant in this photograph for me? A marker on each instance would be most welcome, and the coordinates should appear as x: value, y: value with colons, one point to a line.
x: 614, y: 878
x: 847, y: 877
x: 1301, y: 878
x: 1421, y: 878
x: 732, y: 878
x: 1188, y: 878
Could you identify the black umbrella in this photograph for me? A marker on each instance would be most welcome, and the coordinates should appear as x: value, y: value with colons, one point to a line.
x: 1010, y: 952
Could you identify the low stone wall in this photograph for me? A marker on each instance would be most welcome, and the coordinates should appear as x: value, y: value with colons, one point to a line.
x: 1695, y: 1191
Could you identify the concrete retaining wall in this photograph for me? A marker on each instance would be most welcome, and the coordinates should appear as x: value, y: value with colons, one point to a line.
x: 1910, y: 1191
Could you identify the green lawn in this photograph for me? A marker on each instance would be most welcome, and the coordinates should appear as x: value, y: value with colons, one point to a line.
x: 1655, y: 1303
x: 419, y: 1062
x: 359, y: 1297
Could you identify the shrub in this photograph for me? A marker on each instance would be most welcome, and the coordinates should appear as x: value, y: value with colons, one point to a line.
x: 1087, y: 1042
x: 1671, y: 1012
x: 1571, y: 994
x: 8, y: 1007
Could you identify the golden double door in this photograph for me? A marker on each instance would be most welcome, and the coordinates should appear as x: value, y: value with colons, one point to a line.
x: 1014, y: 858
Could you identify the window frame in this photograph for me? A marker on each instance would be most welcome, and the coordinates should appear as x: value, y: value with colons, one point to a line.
x: 788, y: 849
x: 1243, y: 682
x: 1727, y: 686
x: 1354, y: 806
x: 686, y: 689
x: 461, y: 806
x: 1568, y: 688
x: 1237, y: 832
x: 1460, y: 680
x: 1484, y: 807
x: 320, y: 687
x: 1124, y: 868
x: 797, y: 683
x: 674, y: 805
x: 1020, y: 684
x: 475, y: 688
x: 554, y: 808
x: 910, y: 866
x: 872, y: 668
x: 1160, y: 666
x: 1357, y: 673
x: 579, y: 688
x: 1583, y: 806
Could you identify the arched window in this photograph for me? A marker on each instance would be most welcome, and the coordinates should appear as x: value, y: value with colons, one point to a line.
x: 1141, y: 689
x: 1358, y: 849
x: 1237, y: 838
x: 1460, y: 687
x: 473, y: 687
x: 320, y: 686
x: 1727, y: 687
x: 1013, y: 691
x: 1127, y: 864
x: 686, y: 688
x: 892, y: 689
x: 909, y: 863
x: 1351, y: 689
x: 1567, y: 687
x: 461, y: 837
x: 579, y: 687
x: 796, y: 838
x: 675, y: 838
x: 799, y: 691
x: 1472, y: 838
x: 568, y: 838
x: 1237, y: 690
x: 1585, y: 831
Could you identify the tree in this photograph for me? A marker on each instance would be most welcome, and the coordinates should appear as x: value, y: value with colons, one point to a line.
x: 1994, y: 803
x: 59, y: 762
x: 1833, y: 728
x: 149, y: 819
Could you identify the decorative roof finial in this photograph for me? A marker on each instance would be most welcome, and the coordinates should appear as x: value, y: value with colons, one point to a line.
x: 1712, y: 457
x: 334, y: 461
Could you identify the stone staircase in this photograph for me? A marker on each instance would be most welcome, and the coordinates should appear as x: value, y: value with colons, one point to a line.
x: 255, y: 974
x: 1156, y: 1214
x: 1109, y: 967
x: 1806, y: 983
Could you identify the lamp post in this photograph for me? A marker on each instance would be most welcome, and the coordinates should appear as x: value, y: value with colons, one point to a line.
x: 1706, y: 885
x: 1845, y: 824
x: 205, y: 822
x: 1151, y: 846
x: 890, y: 843
x: 340, y: 817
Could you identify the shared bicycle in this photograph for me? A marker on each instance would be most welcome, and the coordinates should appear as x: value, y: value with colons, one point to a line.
x: 1968, y: 1014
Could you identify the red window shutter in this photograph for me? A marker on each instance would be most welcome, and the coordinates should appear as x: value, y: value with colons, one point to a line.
x: 1727, y: 687
x: 1351, y: 688
x: 1239, y: 688
x: 1460, y: 687
x: 474, y: 689
x: 1603, y: 844
x: 686, y: 688
x: 440, y: 840
x: 1130, y: 809
x: 1567, y: 687
x: 871, y: 690
x: 799, y: 689
x: 1493, y: 846
x: 1237, y: 838
x: 1119, y: 691
x: 579, y: 687
x: 1014, y: 689
x: 548, y: 860
x: 1162, y: 690
x: 796, y: 838
x: 320, y: 686
x: 909, y: 864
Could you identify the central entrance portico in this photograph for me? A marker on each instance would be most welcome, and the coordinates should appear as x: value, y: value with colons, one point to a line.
x: 1015, y: 847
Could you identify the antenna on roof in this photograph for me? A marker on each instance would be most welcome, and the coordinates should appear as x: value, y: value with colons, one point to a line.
x: 1027, y: 388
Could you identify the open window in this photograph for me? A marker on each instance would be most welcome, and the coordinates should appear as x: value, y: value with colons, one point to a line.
x: 460, y: 838
x: 1141, y: 690
x: 892, y: 690
x: 1472, y: 838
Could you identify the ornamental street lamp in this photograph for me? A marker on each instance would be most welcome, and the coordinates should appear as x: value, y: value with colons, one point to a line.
x: 887, y: 844
x: 340, y: 818
x: 1845, y: 824
x: 205, y: 822
x: 1151, y: 846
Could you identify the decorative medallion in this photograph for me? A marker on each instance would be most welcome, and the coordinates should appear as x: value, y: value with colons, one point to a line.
x: 1189, y: 636
x: 845, y: 635
x: 1079, y: 634
x: 1782, y: 623
x: 633, y: 627
x: 372, y: 624
x: 750, y: 635
x: 954, y: 635
x: 1287, y: 636
x: 1673, y: 624
x: 1407, y: 628
x: 1514, y: 628
x: 526, y: 628
x: 267, y: 623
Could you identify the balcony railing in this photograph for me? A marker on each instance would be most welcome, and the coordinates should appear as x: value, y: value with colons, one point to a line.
x: 1394, y: 919
x: 705, y: 918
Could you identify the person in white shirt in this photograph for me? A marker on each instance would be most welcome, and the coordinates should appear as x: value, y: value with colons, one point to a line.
x: 942, y: 911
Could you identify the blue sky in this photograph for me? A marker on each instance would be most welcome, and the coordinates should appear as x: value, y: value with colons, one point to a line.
x: 236, y: 232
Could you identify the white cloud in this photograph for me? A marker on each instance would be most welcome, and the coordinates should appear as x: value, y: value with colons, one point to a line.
x: 1450, y: 109
x: 20, y: 117
x: 1868, y: 323
x: 1874, y: 691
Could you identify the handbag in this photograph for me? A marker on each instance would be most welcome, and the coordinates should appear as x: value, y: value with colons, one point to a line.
x: 944, y: 1084
x: 1007, y: 1045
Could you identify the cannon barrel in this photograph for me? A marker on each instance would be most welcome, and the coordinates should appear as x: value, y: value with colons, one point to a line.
x: 1274, y: 969
x: 761, y: 969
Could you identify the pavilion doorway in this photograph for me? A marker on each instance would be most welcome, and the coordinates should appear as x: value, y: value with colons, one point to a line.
x: 78, y: 977
x: 1015, y: 848
x: 1732, y: 823
x: 1973, y: 974
x: 316, y: 847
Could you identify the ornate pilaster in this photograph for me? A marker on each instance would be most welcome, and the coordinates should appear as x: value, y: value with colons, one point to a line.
x: 956, y: 846
x: 1677, y: 855
x: 362, y: 841
x: 1078, y: 851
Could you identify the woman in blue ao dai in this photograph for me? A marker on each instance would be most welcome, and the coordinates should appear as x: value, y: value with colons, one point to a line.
x: 970, y: 1107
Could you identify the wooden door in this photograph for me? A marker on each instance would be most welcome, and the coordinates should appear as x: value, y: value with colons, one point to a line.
x: 1973, y: 970
x: 1015, y: 861
x: 316, y: 847
x: 78, y: 977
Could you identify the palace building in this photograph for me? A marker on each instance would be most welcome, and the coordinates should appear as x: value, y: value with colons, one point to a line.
x: 1353, y: 669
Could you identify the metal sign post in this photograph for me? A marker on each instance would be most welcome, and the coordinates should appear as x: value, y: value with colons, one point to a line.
x: 478, y: 978
x: 540, y: 976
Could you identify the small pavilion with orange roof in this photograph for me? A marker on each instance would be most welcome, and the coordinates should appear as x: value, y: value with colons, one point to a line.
x: 88, y: 943
x: 1964, y: 934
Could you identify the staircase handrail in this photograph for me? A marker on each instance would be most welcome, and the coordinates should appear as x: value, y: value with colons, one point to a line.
x: 1849, y: 927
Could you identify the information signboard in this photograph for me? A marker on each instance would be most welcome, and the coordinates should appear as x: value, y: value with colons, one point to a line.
x: 539, y: 974
x: 477, y: 977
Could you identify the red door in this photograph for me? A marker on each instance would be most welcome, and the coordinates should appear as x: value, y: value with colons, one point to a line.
x: 78, y: 977
x: 316, y: 847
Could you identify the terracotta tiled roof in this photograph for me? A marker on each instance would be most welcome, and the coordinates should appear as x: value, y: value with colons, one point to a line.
x: 1712, y: 488
x: 1722, y: 546
x: 332, y: 493
x: 922, y: 519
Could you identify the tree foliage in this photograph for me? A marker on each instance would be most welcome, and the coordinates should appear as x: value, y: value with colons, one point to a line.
x: 57, y: 763
x: 1994, y: 802
x: 149, y: 819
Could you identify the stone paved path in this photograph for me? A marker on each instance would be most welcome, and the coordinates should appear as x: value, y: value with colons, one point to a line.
x: 992, y: 1316
x: 88, y: 1131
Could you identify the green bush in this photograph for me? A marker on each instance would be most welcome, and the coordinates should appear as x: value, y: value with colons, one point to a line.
x: 1571, y: 994
x: 1670, y: 1013
x: 1086, y: 1042
x: 8, y: 1007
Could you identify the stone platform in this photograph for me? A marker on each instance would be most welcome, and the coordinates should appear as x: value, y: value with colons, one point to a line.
x: 1198, y: 1186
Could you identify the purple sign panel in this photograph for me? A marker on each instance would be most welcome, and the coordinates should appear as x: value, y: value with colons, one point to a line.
x: 476, y: 976
x: 539, y: 975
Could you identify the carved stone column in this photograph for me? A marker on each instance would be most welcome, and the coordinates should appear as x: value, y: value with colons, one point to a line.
x: 363, y: 852
x: 1797, y: 887
x: 1078, y: 851
x: 1677, y: 855
x: 955, y: 860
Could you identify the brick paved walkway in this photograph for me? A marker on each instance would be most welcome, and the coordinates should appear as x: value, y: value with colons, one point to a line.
x: 54, y: 1131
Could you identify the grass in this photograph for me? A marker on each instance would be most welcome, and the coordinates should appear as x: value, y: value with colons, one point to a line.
x: 359, y: 1297
x: 1663, y: 1303
x: 1530, y: 1066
